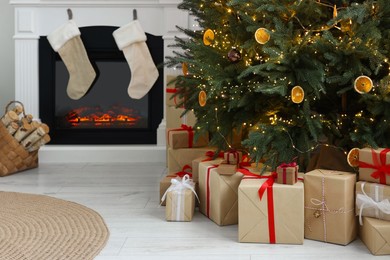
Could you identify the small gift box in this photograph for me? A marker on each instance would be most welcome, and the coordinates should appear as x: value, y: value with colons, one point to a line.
x: 232, y: 157
x: 375, y: 234
x: 166, y: 181
x: 183, y: 137
x: 374, y: 165
x: 287, y: 173
x: 218, y: 194
x: 270, y: 212
x: 372, y: 200
x: 330, y: 206
x: 180, y: 199
x: 227, y: 169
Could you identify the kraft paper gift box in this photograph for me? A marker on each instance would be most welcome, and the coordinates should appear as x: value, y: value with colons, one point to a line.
x: 175, y: 117
x: 206, y: 158
x: 374, y: 165
x: 330, y: 206
x: 180, y: 200
x: 184, y: 137
x: 287, y: 173
x: 172, y: 100
x: 375, y: 234
x: 218, y: 194
x: 232, y: 157
x: 372, y: 200
x: 178, y: 158
x: 278, y: 217
x: 164, y: 185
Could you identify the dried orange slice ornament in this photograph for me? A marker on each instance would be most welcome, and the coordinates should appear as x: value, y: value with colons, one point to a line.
x: 353, y: 157
x: 184, y: 68
x: 202, y: 98
x: 262, y: 35
x: 297, y: 94
x: 363, y: 84
x: 208, y: 37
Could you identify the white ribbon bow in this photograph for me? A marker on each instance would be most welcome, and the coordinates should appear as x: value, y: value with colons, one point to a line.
x: 364, y: 201
x: 180, y: 185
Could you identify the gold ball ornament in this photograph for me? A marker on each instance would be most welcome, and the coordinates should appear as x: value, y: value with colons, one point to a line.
x: 262, y: 35
x: 353, y: 157
x: 202, y: 98
x: 208, y: 37
x: 363, y: 84
x: 297, y: 94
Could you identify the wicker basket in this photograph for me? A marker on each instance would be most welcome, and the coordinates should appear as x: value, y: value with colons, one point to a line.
x: 13, y: 156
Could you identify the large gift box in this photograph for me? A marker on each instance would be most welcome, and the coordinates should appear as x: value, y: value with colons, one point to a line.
x: 218, y: 194
x: 184, y: 137
x: 375, y: 234
x: 175, y: 117
x: 180, y: 200
x: 207, y: 158
x: 276, y: 217
x: 372, y: 200
x: 330, y: 206
x: 178, y: 158
x: 374, y: 165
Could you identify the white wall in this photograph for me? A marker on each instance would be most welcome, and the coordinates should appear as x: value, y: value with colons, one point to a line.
x: 7, y: 60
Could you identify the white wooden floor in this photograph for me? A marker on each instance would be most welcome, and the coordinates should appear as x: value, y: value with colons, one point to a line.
x: 126, y: 195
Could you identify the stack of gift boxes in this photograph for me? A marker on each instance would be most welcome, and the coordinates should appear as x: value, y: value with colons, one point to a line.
x: 285, y: 206
x: 373, y: 199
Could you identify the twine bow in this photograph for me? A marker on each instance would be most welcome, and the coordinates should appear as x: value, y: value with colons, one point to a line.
x: 379, y: 165
x: 364, y: 201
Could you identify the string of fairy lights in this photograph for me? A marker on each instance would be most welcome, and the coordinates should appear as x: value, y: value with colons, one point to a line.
x: 220, y: 40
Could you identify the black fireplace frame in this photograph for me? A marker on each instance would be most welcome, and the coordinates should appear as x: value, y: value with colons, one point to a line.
x: 99, y: 39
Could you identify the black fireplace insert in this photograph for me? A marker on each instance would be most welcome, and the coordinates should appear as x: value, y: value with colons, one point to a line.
x: 106, y: 114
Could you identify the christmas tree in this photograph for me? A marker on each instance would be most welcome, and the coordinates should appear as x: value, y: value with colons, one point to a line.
x: 290, y: 76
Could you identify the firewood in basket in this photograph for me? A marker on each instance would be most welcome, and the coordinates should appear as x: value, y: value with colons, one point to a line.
x: 12, y: 127
x: 23, y: 131
x: 18, y: 109
x: 35, y: 136
x: 9, y: 117
x: 42, y: 141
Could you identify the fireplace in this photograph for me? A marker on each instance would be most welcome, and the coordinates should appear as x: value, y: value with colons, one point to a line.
x: 106, y: 114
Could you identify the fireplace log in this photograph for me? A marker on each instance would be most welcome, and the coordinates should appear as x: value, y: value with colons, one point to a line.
x: 12, y: 128
x: 23, y: 131
x: 9, y: 117
x: 35, y: 136
x: 42, y: 141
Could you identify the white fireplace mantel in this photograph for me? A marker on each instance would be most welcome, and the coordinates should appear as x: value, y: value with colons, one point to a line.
x: 35, y: 18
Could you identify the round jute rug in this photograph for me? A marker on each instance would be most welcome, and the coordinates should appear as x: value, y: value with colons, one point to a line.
x: 35, y: 227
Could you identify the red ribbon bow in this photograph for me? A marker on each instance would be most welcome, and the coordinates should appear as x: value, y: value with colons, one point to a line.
x: 267, y: 186
x: 379, y: 165
x: 184, y: 171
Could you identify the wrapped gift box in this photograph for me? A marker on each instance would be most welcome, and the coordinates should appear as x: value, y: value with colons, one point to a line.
x: 183, y: 137
x: 375, y: 234
x: 172, y: 100
x: 372, y: 200
x: 197, y: 161
x: 330, y: 206
x: 287, y: 174
x: 232, y: 157
x: 180, y: 200
x: 374, y: 165
x: 175, y: 119
x: 226, y: 169
x: 278, y: 217
x: 218, y: 194
x: 165, y: 183
x: 178, y: 158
